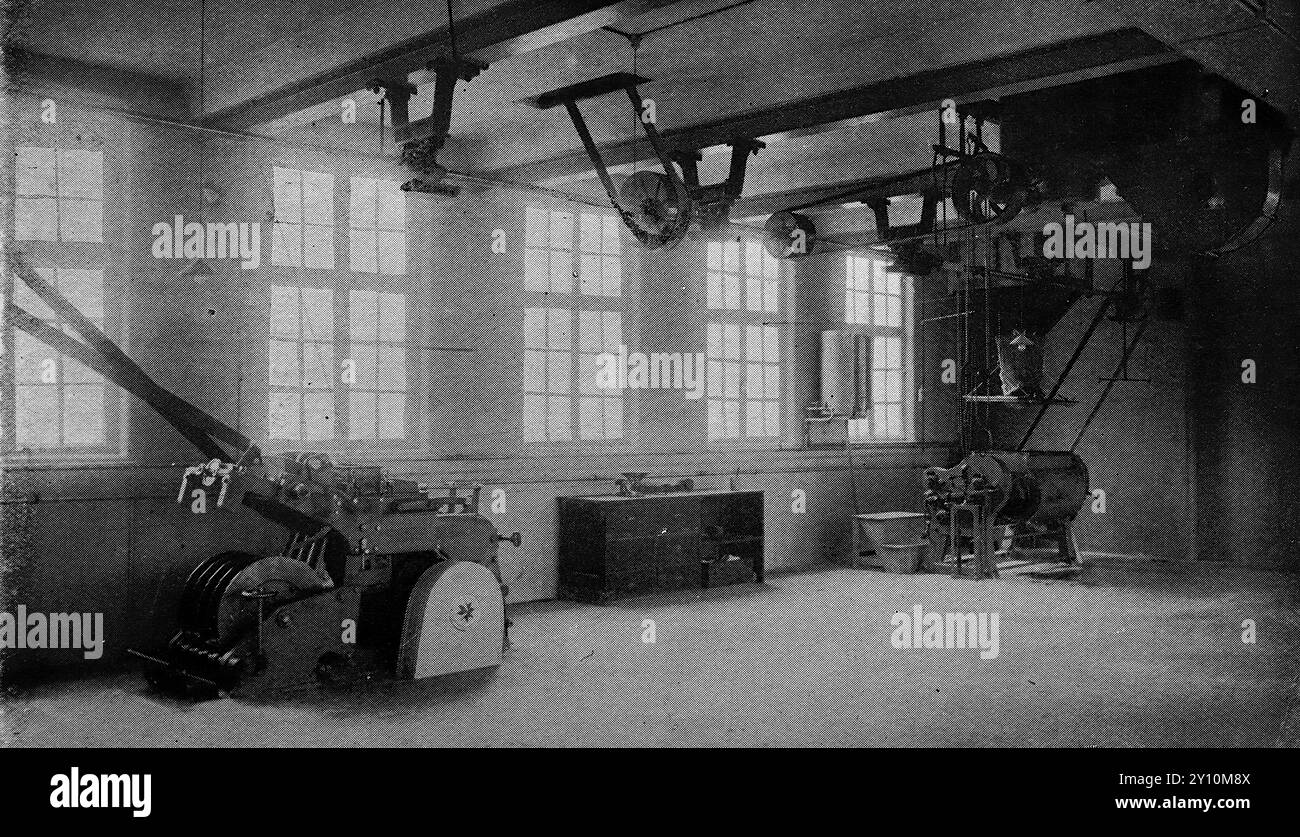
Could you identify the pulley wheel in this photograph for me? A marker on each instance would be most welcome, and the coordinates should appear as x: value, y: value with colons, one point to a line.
x: 789, y: 235
x: 187, y: 607
x: 212, y: 592
x: 987, y: 187
x: 284, y: 578
x: 651, y: 209
x: 197, y: 612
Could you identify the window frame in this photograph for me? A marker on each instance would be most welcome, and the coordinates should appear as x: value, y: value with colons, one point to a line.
x: 861, y: 431
x: 576, y: 303
x: 402, y: 345
x: 60, y: 201
x: 57, y: 255
x: 342, y: 282
x: 302, y: 223
x: 376, y: 227
x: 300, y: 342
x: 771, y: 293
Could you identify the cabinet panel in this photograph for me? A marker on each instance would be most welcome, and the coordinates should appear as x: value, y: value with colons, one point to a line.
x: 630, y: 556
x: 677, y: 516
x: 681, y: 550
x: 641, y: 583
x: 679, y: 577
x: 613, y: 546
x: 632, y: 519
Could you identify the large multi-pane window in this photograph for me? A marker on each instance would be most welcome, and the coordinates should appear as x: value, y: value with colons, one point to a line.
x: 323, y: 378
x: 377, y: 338
x: 57, y: 403
x: 59, y: 194
x: 878, y: 302
x: 377, y: 227
x: 744, y: 359
x: 302, y: 364
x: 573, y: 268
x: 338, y: 350
x: 303, y: 233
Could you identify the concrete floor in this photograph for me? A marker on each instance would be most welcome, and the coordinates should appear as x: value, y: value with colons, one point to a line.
x: 1127, y: 654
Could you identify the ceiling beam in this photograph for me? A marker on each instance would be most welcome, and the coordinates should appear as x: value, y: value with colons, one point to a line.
x: 1034, y: 69
x: 511, y: 28
x: 96, y: 85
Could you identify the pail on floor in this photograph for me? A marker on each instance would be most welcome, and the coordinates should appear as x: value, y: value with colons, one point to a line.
x: 870, y: 531
x: 900, y: 557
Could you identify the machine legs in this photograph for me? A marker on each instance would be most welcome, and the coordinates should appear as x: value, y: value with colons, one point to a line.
x: 1067, y: 547
x: 982, y: 545
x: 966, y: 521
x: 938, y: 549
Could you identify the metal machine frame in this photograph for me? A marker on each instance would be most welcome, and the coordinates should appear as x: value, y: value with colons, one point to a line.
x: 708, y: 205
x: 385, y: 555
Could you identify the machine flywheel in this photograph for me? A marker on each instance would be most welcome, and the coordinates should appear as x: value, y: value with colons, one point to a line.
x: 653, y: 210
x: 988, y: 187
x: 221, y: 598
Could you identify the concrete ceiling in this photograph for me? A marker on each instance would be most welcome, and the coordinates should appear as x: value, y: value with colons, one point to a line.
x: 756, y: 56
x: 161, y: 37
x: 706, y: 59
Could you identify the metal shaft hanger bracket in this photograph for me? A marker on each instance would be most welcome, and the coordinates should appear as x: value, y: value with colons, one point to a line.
x: 713, y: 202
x: 422, y: 139
x: 674, y: 230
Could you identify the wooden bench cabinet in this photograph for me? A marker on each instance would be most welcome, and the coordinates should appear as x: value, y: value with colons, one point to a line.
x: 616, y: 546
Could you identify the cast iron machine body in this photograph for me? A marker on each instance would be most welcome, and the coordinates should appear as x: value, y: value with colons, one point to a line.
x: 380, y: 576
x: 1027, y: 493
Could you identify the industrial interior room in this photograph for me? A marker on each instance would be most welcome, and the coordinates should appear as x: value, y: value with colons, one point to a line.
x: 702, y: 373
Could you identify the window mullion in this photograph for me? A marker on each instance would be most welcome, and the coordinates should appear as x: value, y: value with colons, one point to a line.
x: 341, y: 349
